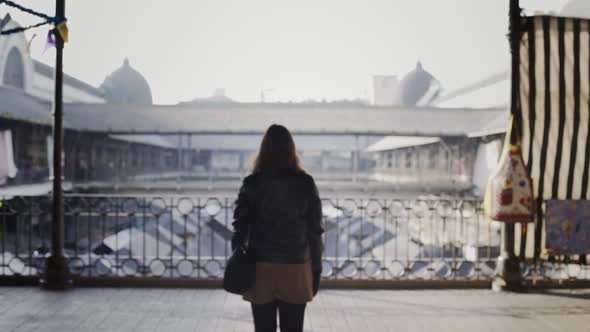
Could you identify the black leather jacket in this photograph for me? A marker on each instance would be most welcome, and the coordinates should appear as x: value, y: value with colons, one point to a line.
x: 283, y: 213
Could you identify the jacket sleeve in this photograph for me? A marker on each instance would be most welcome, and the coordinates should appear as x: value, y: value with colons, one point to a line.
x: 242, y: 215
x: 315, y: 230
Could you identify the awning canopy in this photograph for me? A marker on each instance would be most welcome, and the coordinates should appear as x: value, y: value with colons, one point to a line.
x: 399, y: 142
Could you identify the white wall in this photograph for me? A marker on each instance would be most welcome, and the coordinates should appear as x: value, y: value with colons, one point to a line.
x: 486, y: 161
x: 384, y: 88
x: 9, y: 42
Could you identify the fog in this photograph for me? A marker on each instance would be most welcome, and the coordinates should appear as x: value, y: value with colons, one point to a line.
x: 292, y: 51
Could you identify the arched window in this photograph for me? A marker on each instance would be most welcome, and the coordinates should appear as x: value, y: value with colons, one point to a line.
x: 14, y: 72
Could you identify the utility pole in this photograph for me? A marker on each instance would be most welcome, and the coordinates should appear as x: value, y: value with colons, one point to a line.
x: 56, y: 275
x: 508, y: 267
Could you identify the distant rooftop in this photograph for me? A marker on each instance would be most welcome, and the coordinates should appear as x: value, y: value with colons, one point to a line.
x: 224, y: 101
x: 254, y: 118
x: 47, y: 71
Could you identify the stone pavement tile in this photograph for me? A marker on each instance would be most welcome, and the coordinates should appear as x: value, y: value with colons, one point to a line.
x: 147, y: 323
x: 168, y: 324
x: 316, y: 314
x: 566, y: 323
x: 187, y: 325
x: 8, y: 325
x: 209, y: 314
x: 120, y: 321
x: 93, y: 320
x: 179, y: 310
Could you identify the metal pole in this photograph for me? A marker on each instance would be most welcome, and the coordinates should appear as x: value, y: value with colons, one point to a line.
x: 57, y: 272
x: 508, y: 267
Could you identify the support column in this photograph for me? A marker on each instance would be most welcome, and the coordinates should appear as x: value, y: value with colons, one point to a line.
x: 128, y: 161
x: 210, y: 168
x: 242, y: 162
x: 190, y: 154
x: 355, y: 159
x: 179, y: 161
x: 56, y: 275
x: 508, y: 272
x: 118, y: 164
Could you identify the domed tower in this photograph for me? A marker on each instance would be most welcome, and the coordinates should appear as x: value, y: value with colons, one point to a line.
x: 127, y: 86
x: 417, y: 88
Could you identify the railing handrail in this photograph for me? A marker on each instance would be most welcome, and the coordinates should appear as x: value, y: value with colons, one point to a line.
x: 383, y: 237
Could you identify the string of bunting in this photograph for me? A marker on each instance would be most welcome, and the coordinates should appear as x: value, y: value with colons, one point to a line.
x: 60, y: 24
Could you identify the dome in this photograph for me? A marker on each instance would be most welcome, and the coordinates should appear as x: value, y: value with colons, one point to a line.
x: 127, y: 86
x: 576, y: 8
x: 417, y: 88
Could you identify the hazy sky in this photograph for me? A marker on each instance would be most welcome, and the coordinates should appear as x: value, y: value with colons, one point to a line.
x: 297, y: 49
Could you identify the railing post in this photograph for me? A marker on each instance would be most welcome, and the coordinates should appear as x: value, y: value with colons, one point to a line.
x: 56, y: 275
x: 508, y: 272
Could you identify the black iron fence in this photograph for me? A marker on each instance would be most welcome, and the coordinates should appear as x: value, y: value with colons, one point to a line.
x: 175, y: 237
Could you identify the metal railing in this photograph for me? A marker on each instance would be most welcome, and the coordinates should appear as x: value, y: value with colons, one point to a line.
x: 177, y: 237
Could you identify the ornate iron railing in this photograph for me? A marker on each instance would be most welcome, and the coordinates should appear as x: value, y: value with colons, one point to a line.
x: 176, y: 237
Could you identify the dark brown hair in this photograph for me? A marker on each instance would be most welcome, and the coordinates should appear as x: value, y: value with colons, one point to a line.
x: 277, y: 151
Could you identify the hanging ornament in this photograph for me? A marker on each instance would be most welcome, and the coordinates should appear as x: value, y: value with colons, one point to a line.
x: 62, y: 28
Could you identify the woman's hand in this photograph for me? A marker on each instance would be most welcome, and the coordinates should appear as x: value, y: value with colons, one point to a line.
x: 317, y: 275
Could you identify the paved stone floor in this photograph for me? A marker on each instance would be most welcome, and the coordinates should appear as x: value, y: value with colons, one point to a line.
x: 122, y: 309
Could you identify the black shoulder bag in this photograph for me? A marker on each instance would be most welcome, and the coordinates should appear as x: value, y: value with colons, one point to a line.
x: 240, y: 270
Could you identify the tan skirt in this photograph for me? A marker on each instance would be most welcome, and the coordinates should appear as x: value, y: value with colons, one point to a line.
x: 291, y: 283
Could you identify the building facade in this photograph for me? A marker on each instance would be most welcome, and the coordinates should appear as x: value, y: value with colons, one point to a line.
x: 436, y: 164
x: 26, y: 85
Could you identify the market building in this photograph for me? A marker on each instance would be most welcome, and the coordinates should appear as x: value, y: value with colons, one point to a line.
x: 114, y: 133
x: 442, y: 163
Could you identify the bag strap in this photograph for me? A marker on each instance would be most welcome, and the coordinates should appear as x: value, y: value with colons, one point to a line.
x: 249, y: 236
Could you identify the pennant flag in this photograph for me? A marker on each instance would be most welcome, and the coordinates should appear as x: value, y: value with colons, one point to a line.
x: 50, y: 41
x: 62, y: 28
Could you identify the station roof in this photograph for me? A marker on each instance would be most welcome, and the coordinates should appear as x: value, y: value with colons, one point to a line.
x: 254, y: 118
x: 47, y: 71
x: 16, y: 105
x: 238, y: 120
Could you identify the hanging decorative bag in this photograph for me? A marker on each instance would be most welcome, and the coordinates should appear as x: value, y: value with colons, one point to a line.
x: 509, y: 194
